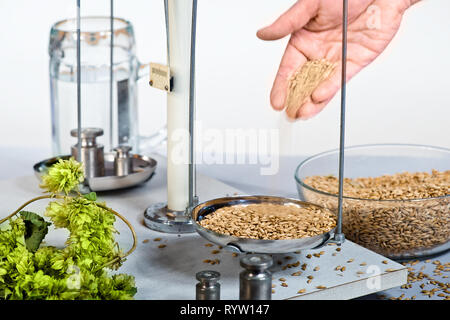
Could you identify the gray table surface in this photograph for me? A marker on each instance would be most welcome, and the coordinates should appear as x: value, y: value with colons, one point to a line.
x: 16, y: 162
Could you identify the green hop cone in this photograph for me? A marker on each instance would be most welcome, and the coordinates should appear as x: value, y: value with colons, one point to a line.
x: 63, y: 176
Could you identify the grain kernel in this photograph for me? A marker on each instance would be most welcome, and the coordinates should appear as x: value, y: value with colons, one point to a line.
x: 321, y: 287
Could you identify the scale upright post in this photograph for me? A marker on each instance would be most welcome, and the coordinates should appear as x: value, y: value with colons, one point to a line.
x: 174, y: 216
x: 79, y: 79
x: 339, y: 236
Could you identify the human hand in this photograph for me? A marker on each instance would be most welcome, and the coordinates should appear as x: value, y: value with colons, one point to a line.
x: 315, y: 27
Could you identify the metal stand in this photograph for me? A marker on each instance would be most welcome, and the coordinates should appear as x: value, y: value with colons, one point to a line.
x: 158, y: 216
x: 339, y: 236
x: 79, y: 79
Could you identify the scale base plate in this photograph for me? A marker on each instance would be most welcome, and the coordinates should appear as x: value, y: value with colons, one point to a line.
x: 159, y: 218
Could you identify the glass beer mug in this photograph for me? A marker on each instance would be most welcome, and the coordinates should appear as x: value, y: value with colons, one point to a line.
x: 119, y: 123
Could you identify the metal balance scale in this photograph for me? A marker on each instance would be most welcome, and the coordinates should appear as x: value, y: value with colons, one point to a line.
x: 181, y: 213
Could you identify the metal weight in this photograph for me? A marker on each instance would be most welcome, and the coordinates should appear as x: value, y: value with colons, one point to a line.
x: 208, y: 287
x: 122, y: 161
x: 88, y: 152
x: 255, y: 282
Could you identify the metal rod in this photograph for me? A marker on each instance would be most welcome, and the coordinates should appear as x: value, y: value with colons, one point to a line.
x: 192, y: 173
x: 342, y: 128
x: 166, y: 14
x: 79, y: 80
x: 111, y: 74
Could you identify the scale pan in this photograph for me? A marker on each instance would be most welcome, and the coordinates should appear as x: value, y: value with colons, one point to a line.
x: 237, y: 244
x: 143, y: 169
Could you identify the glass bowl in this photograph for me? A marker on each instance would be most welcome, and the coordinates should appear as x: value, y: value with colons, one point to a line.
x: 398, y: 229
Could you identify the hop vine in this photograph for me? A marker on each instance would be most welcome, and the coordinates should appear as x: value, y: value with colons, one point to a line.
x: 83, y: 269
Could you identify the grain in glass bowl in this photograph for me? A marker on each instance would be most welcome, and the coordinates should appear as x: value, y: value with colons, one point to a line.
x: 394, y: 203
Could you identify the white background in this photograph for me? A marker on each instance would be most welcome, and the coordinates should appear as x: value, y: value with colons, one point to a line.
x: 402, y: 97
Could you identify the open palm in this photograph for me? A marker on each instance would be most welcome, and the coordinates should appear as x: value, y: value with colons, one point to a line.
x: 315, y: 27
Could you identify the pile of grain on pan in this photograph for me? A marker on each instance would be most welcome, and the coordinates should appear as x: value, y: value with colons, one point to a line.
x: 393, y: 215
x: 267, y: 221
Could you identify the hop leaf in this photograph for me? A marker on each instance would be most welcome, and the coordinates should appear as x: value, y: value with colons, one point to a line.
x: 63, y: 176
x: 35, y: 229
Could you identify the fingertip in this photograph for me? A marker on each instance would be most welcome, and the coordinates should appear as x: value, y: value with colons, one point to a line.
x: 326, y: 90
x: 268, y: 34
x: 276, y: 107
x: 277, y: 99
x: 310, y: 109
x: 320, y: 94
x: 307, y: 111
x: 261, y: 33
